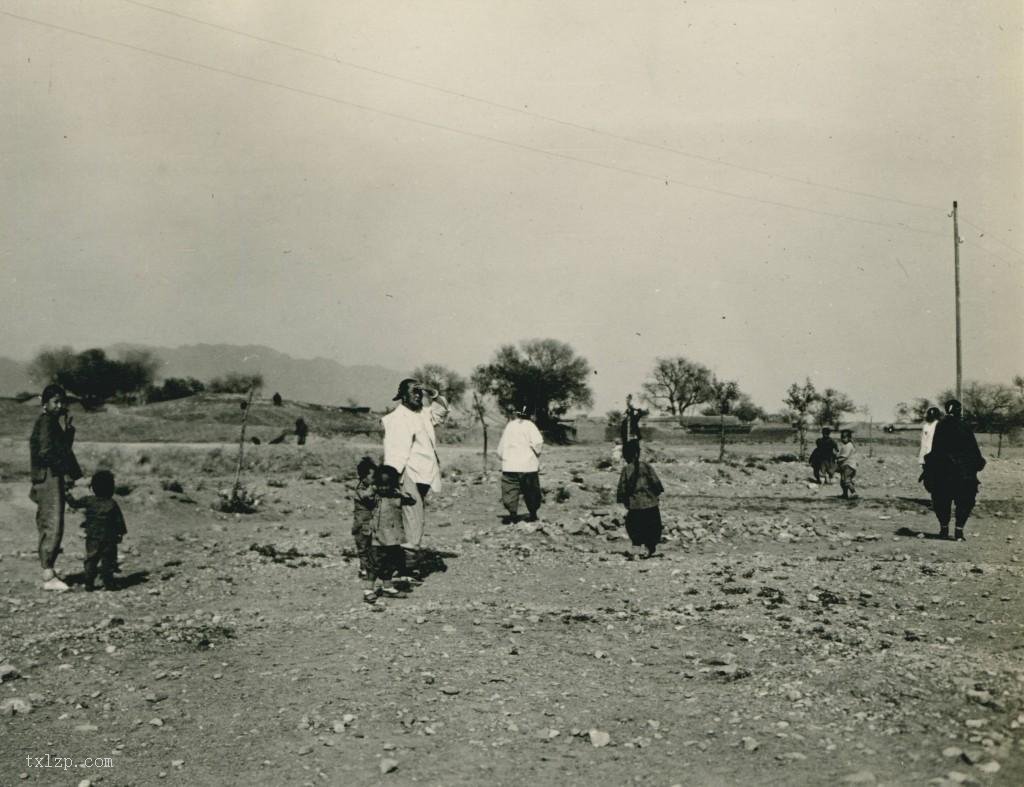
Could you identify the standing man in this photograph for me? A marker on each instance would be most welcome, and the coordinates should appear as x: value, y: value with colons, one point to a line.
x: 54, y: 469
x: 410, y: 447
x: 519, y: 451
x: 951, y: 470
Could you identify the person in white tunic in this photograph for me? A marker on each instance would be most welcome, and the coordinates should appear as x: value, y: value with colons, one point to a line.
x: 519, y: 451
x: 410, y: 446
x: 931, y: 420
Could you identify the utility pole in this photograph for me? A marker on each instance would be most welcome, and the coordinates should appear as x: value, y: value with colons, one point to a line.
x: 956, y: 278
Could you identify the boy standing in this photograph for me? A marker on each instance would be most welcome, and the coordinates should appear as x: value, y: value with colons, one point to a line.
x: 53, y: 466
x: 386, y: 556
x: 847, y: 461
x: 104, y: 529
x: 363, y: 502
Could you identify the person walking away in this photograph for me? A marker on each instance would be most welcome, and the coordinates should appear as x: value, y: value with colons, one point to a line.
x: 638, y: 490
x: 931, y: 420
x: 104, y: 528
x: 951, y: 470
x: 823, y: 457
x: 301, y: 430
x: 519, y: 450
x: 846, y: 460
x: 54, y: 470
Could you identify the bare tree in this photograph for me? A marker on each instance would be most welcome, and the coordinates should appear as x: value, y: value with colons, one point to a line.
x: 799, y: 401
x: 722, y: 394
x: 676, y: 384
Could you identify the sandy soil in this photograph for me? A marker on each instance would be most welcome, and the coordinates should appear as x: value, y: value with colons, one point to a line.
x: 783, y: 637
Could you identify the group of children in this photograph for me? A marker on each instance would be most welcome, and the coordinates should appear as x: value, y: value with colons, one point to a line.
x: 827, y: 458
x: 379, y: 532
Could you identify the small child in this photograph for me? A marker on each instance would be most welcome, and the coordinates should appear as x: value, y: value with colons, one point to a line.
x: 847, y: 461
x: 104, y: 529
x: 639, y: 488
x: 386, y: 556
x: 363, y: 502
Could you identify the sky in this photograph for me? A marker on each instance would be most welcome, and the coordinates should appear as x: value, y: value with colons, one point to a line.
x: 761, y: 186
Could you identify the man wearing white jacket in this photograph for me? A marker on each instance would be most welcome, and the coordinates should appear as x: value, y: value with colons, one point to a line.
x: 410, y: 446
x: 519, y: 450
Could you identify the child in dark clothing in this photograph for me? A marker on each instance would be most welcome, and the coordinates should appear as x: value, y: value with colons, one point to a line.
x: 386, y: 556
x: 639, y: 488
x: 363, y: 502
x: 104, y: 529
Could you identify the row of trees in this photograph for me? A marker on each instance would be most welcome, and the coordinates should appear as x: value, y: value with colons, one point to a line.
x: 994, y: 408
x: 95, y: 378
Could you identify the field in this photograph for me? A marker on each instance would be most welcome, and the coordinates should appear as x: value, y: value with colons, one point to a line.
x: 784, y: 636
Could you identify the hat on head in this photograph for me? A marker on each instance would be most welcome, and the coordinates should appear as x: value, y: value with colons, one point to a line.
x: 953, y: 407
x: 403, y: 388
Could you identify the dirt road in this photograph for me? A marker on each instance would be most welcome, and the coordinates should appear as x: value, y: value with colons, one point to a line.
x: 783, y: 637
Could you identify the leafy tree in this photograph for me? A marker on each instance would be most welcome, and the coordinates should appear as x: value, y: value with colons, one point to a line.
x: 832, y: 405
x: 722, y: 394
x: 799, y: 401
x: 450, y: 384
x: 236, y: 383
x: 676, y: 384
x: 544, y: 375
x: 746, y: 410
x: 914, y: 411
x: 174, y: 388
x: 993, y: 408
x: 91, y: 375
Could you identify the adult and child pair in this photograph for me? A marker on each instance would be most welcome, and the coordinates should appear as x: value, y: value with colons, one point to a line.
x: 54, y: 470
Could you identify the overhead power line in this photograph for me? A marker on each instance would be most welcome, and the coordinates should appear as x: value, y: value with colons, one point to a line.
x: 988, y: 234
x: 529, y: 113
x: 471, y: 134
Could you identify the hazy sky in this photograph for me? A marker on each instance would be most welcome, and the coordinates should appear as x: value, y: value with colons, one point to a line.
x: 759, y: 185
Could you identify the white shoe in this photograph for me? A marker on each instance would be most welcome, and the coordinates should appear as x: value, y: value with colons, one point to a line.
x: 55, y: 583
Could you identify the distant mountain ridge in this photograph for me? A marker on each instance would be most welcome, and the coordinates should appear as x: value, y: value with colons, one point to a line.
x: 317, y: 380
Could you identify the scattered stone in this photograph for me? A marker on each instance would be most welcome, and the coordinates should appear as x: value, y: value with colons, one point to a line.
x: 972, y: 756
x: 156, y: 721
x: 989, y: 767
x: 952, y: 751
x: 860, y: 777
x: 451, y: 691
x: 387, y: 765
x: 86, y: 728
x: 750, y: 744
x: 599, y: 738
x: 15, y: 706
x: 8, y: 672
x: 177, y: 763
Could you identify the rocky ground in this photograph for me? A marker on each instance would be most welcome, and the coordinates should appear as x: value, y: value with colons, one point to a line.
x: 783, y: 636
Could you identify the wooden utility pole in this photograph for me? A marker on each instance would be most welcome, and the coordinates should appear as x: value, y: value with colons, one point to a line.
x: 241, y: 445
x: 956, y: 279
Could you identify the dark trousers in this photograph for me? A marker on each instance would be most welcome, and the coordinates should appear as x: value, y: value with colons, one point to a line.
x: 49, y: 497
x: 101, y: 554
x: 526, y: 485
x: 963, y: 493
x: 846, y: 479
x: 364, y: 543
x: 643, y: 526
x: 385, y: 562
